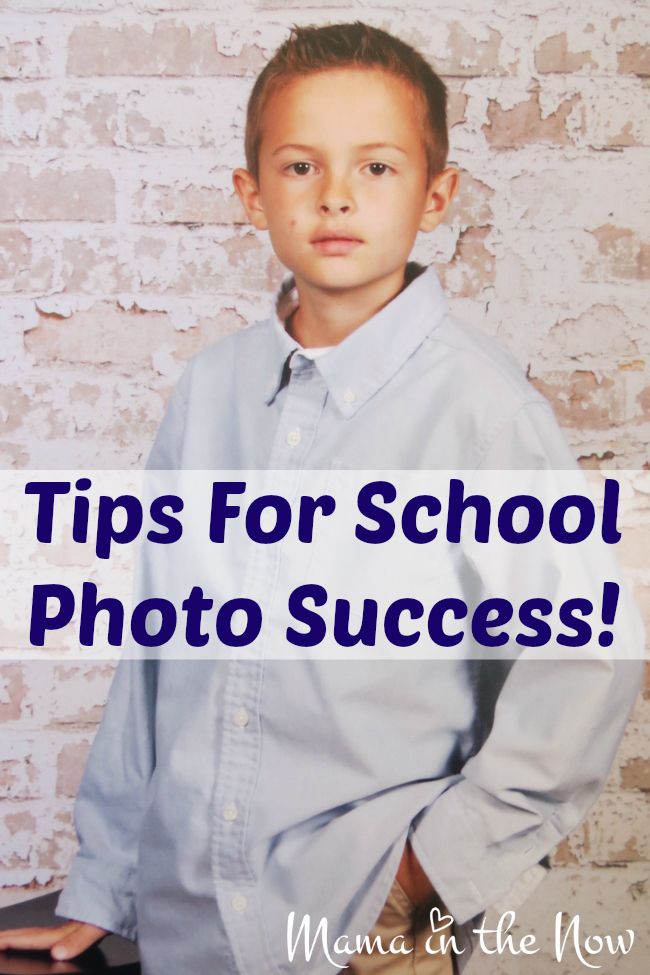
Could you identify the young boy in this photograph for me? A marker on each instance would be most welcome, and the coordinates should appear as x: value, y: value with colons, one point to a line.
x: 220, y: 797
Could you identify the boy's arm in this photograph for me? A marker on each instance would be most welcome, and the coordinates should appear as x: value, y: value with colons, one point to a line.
x: 100, y: 888
x: 557, y: 725
x: 101, y: 885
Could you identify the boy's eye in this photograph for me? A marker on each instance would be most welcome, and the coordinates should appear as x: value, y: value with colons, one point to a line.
x: 293, y: 166
x: 302, y: 168
x: 383, y: 167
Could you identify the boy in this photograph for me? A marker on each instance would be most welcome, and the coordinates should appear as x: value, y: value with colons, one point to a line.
x: 221, y: 797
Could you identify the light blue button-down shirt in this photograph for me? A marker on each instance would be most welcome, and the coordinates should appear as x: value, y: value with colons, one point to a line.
x: 222, y: 795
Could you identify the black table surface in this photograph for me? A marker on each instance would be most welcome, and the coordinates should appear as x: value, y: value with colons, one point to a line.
x: 113, y: 954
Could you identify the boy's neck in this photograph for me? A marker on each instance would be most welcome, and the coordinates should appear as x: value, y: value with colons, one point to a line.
x: 325, y: 318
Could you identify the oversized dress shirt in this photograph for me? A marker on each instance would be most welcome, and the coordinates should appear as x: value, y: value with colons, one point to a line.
x: 219, y: 796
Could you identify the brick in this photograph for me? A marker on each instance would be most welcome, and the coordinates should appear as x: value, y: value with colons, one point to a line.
x: 563, y: 855
x: 97, y: 264
x: 14, y: 404
x: 622, y: 254
x: 116, y: 433
x: 553, y: 55
x: 472, y: 267
x: 632, y: 550
x: 262, y: 4
x: 53, y: 193
x: 610, y: 834
x: 643, y: 400
x: 524, y: 125
x: 171, y: 116
x: 170, y: 48
x: 577, y: 194
x: 19, y: 772
x: 25, y: 264
x: 100, y: 335
x: 67, y: 117
x: 616, y: 832
x: 635, y: 774
x: 106, y: 334
x: 604, y: 330
x: 15, y: 254
x: 79, y: 694
x: 43, y: 839
x: 26, y: 50
x: 462, y: 54
x: 472, y: 205
x: 13, y: 455
x: 615, y: 116
x: 179, y: 200
x: 634, y: 59
x: 56, y: 846
x: 69, y: 768
x: 9, y: 771
x: 456, y: 107
x: 20, y: 822
x: 13, y: 692
x: 193, y: 264
x: 582, y: 399
x: 21, y: 115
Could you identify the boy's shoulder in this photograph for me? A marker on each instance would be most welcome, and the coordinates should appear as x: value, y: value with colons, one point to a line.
x: 483, y: 365
x: 243, y: 356
x: 251, y: 340
x: 493, y: 403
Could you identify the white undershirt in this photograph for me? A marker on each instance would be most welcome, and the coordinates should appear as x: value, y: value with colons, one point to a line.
x: 314, y: 353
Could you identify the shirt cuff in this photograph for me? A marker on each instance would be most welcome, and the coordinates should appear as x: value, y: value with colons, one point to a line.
x: 86, y: 898
x: 468, y: 871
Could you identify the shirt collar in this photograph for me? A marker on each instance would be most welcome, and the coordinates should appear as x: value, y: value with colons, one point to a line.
x: 356, y: 368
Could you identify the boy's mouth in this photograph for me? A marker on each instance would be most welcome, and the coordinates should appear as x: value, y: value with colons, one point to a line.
x: 335, y: 243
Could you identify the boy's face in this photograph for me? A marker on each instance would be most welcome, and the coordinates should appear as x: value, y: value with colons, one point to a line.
x: 342, y: 152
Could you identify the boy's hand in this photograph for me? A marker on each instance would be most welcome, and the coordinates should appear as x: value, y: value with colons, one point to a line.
x: 64, y: 941
x: 412, y: 878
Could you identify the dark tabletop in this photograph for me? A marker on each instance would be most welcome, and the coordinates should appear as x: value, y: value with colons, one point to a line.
x: 113, y: 954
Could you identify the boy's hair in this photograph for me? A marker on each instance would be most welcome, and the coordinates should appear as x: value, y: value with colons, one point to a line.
x: 311, y: 49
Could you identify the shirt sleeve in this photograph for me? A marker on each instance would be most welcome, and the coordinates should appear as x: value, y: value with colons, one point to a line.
x: 100, y: 888
x: 101, y: 885
x: 554, y: 732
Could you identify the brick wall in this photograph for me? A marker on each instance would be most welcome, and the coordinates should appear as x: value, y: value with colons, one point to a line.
x: 123, y: 251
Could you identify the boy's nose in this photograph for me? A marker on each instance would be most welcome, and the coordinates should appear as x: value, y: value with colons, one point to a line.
x: 327, y: 207
x: 335, y: 196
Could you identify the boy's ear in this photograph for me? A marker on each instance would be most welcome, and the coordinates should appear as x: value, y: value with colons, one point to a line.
x: 440, y: 194
x: 248, y: 192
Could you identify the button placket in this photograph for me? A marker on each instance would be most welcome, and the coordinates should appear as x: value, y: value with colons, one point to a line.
x: 241, y: 733
x: 230, y: 812
x: 240, y: 718
x: 305, y: 396
x: 239, y: 903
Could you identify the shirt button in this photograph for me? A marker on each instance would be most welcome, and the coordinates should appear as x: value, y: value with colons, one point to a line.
x: 349, y: 396
x: 241, y: 718
x: 230, y: 812
x: 239, y: 903
x: 293, y: 437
